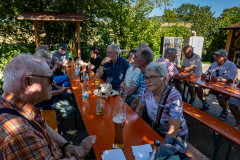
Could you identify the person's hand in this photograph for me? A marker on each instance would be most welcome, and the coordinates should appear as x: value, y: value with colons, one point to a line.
x: 82, y: 150
x: 80, y: 61
x: 105, y: 60
x: 134, y: 103
x: 122, y: 85
x: 55, y: 59
x: 54, y: 83
x: 204, y: 75
x: 214, y: 78
x: 182, y: 68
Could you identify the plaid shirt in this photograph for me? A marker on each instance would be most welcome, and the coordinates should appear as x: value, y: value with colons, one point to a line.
x: 18, y: 139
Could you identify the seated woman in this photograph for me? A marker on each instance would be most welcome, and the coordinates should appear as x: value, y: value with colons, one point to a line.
x: 61, y: 80
x: 158, y: 93
x: 131, y: 76
x: 95, y: 60
x: 61, y: 101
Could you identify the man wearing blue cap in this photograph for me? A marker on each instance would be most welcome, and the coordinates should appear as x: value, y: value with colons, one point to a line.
x: 61, y: 57
x: 222, y: 70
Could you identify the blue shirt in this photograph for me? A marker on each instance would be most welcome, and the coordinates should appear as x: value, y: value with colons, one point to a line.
x: 61, y: 58
x: 140, y: 83
x: 116, y: 72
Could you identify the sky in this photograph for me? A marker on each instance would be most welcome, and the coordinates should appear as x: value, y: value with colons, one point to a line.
x: 217, y: 5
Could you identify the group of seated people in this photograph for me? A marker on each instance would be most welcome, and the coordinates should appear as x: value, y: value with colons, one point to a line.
x: 144, y: 85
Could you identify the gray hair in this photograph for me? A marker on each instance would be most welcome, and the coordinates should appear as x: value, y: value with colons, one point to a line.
x: 116, y: 47
x: 42, y: 47
x: 159, y: 68
x: 148, y: 54
x: 18, y: 67
x: 42, y: 53
x: 143, y: 45
x: 170, y: 52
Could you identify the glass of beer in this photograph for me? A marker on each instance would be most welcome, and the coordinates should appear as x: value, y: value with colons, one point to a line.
x: 119, y: 118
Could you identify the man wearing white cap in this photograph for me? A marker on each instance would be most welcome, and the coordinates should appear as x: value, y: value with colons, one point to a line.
x: 222, y: 70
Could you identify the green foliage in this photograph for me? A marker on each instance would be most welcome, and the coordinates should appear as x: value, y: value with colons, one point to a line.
x: 7, y: 53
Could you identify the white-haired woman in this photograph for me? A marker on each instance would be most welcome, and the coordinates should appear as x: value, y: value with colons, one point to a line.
x: 158, y: 94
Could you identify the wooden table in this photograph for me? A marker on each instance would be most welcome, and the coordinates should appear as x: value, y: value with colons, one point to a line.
x: 225, y: 88
x: 136, y: 130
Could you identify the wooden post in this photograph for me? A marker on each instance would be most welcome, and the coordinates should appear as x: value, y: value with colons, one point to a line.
x: 78, y: 37
x: 36, y: 33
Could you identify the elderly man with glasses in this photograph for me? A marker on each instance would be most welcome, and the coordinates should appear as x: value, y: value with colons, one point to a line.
x: 23, y: 132
x: 113, y: 67
x: 222, y: 70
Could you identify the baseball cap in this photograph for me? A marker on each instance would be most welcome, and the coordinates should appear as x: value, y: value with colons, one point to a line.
x: 62, y: 46
x: 221, y: 52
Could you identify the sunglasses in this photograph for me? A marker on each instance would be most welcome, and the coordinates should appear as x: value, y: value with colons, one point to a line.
x: 49, y: 78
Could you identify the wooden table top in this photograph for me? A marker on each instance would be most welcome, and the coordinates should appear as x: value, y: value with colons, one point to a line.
x: 136, y: 131
x: 225, y: 88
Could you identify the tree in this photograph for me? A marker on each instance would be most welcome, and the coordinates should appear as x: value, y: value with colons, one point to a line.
x: 170, y: 16
x: 185, y: 12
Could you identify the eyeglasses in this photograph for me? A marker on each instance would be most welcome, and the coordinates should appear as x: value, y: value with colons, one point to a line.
x: 49, y: 78
x: 151, y: 78
x: 217, y: 72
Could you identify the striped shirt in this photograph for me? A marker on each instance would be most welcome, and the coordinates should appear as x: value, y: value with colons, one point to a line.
x: 140, y: 83
x: 18, y: 139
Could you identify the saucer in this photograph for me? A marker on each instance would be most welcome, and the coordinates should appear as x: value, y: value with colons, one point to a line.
x: 114, y: 93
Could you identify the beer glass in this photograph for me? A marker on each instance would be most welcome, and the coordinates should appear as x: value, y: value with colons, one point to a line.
x: 99, y: 105
x: 119, y: 118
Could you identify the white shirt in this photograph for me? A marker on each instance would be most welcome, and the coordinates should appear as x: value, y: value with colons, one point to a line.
x: 227, y: 71
x: 131, y: 75
x: 195, y: 61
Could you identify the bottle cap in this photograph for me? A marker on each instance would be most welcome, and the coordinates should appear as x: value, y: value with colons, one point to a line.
x: 157, y: 143
x: 84, y: 77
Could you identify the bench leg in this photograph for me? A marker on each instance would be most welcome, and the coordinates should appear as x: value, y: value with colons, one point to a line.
x: 229, y: 151
x: 216, y: 146
x: 184, y: 89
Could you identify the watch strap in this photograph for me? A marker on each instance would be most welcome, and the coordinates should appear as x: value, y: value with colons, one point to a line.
x: 65, y: 145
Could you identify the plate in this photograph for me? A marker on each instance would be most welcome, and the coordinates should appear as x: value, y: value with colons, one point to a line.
x: 114, y: 93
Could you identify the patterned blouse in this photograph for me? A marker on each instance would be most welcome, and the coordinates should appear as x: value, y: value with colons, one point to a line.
x: 173, y: 108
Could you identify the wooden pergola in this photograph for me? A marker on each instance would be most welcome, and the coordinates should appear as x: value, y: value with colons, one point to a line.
x: 232, y: 40
x: 53, y: 17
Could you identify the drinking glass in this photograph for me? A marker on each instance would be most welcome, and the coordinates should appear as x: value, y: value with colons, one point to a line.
x: 119, y: 118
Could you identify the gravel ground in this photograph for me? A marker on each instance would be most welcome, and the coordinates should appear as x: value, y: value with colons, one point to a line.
x: 200, y: 136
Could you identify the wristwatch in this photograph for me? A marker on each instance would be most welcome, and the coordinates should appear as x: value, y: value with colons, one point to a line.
x: 65, y: 145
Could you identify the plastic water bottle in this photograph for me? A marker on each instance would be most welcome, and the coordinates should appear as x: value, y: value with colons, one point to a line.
x: 155, y: 154
x: 97, y: 79
x: 84, y: 89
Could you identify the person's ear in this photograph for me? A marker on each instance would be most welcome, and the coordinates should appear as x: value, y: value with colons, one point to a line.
x: 26, y: 81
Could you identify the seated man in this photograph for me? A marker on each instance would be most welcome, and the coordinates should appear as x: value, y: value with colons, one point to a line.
x: 170, y: 55
x: 222, y: 70
x: 131, y: 76
x: 113, y: 66
x: 23, y: 132
x: 191, y: 63
x: 61, y: 58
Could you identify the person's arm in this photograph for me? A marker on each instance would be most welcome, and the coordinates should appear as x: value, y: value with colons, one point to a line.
x: 174, y: 125
x: 101, y: 67
x: 70, y: 150
x: 217, y: 79
x: 55, y: 67
x: 130, y: 91
x: 182, y: 76
x: 139, y: 109
x: 59, y: 91
x: 188, y: 69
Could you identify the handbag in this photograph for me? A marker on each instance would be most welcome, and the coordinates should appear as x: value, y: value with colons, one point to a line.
x: 162, y: 102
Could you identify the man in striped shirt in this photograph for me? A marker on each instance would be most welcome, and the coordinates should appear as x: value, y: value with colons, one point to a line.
x: 23, y: 132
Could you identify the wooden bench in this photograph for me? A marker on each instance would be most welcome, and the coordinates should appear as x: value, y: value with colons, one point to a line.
x: 50, y: 117
x: 194, y: 154
x: 222, y: 129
